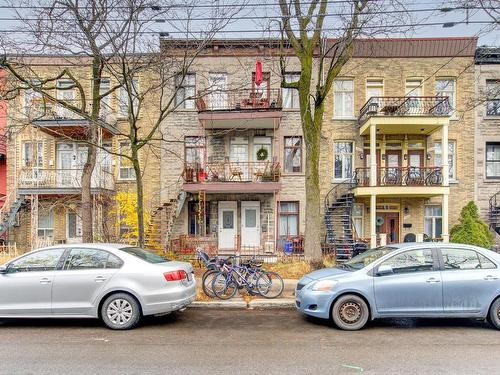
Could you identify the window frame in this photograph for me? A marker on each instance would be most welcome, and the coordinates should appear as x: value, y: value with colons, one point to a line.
x: 486, y: 161
x: 200, y: 146
x: 66, y: 256
x: 453, y: 104
x: 294, y: 93
x: 131, y: 172
x: 433, y: 219
x: 39, y: 157
x: 453, y: 170
x: 413, y: 87
x: 343, y: 116
x: 373, y: 82
x: 123, y: 100
x: 180, y: 87
x: 286, y: 213
x: 359, y: 217
x: 478, y: 254
x: 436, y: 267
x: 57, y: 266
x: 50, y: 214
x: 344, y: 157
x: 293, y: 147
x: 495, y: 99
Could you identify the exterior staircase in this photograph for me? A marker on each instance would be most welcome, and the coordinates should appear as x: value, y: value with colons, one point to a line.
x: 494, y: 214
x: 159, y: 230
x: 338, y: 219
x: 9, y: 210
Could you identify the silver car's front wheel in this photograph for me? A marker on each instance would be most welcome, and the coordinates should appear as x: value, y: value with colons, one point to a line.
x: 120, y: 311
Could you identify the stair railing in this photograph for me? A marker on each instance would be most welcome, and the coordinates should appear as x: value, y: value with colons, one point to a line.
x: 493, y: 204
x: 334, y: 192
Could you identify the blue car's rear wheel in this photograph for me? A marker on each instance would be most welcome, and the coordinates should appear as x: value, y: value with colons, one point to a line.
x: 494, y: 315
x: 350, y: 312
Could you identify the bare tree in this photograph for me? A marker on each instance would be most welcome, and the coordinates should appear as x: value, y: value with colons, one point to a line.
x: 321, y: 60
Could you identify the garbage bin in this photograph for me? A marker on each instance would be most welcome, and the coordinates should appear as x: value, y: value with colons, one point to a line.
x: 288, y: 248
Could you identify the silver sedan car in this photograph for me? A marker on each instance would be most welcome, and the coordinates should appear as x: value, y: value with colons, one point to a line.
x: 443, y: 280
x: 114, y: 282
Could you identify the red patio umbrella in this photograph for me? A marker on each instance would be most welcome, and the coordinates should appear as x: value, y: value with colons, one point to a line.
x: 258, y: 73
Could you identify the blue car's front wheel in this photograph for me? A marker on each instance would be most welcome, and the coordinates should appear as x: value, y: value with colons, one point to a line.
x: 350, y: 312
x: 494, y: 315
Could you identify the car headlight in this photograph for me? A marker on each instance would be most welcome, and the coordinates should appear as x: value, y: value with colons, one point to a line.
x: 323, y: 285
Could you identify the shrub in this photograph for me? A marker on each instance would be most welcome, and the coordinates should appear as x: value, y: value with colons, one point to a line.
x: 471, y: 229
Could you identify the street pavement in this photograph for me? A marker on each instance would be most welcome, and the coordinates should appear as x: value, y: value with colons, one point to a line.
x: 210, y: 341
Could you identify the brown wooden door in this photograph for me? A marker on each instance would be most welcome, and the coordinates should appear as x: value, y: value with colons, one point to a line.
x: 388, y: 223
x: 392, y: 171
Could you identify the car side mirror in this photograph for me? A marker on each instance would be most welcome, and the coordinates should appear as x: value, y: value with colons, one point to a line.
x: 384, y: 269
x: 3, y: 269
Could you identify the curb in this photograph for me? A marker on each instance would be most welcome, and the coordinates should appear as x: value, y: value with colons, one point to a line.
x: 284, y: 303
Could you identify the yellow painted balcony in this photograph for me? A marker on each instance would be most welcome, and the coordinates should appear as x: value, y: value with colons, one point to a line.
x: 404, y: 114
x: 401, y: 181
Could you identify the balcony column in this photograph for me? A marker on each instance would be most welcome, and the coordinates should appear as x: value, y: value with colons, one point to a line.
x: 373, y: 155
x: 373, y: 221
x: 446, y: 232
x: 444, y: 155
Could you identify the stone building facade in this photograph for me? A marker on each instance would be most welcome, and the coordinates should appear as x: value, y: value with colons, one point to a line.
x: 486, y: 105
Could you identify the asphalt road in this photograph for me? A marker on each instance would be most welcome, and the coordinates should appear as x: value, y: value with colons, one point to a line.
x: 248, y: 342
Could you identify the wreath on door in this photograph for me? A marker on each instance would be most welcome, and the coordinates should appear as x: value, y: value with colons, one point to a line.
x: 262, y: 154
x: 380, y: 220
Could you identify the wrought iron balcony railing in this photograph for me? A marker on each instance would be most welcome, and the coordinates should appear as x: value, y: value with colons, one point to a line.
x: 228, y: 171
x: 405, y: 106
x: 401, y: 176
x: 39, y: 178
x: 237, y: 100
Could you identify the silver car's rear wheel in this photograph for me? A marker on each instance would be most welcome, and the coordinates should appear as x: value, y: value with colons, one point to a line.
x: 120, y: 311
x: 350, y: 312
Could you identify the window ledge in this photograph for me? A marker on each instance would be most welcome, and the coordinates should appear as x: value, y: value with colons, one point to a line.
x: 491, y: 180
x: 453, y: 181
x: 125, y: 179
x: 293, y: 174
x: 344, y: 118
x: 491, y: 117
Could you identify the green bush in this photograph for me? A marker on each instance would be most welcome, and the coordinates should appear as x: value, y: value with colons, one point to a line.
x: 471, y: 229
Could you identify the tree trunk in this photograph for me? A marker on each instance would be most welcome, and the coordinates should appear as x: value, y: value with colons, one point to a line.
x: 140, y: 197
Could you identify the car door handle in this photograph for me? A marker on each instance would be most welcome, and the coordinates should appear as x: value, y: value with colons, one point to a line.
x: 490, y: 277
x: 45, y: 281
x: 99, y: 279
x: 432, y: 280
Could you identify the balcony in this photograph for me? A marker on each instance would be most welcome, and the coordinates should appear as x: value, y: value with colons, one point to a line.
x: 74, y: 128
x: 233, y: 177
x: 404, y: 114
x: 401, y: 181
x: 250, y: 109
x: 61, y: 181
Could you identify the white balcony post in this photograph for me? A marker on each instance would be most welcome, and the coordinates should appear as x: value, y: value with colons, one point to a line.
x: 444, y: 155
x: 373, y: 155
x: 446, y: 232
x: 373, y: 221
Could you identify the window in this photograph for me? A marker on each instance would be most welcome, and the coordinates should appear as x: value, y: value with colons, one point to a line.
x: 45, y: 260
x: 358, y: 219
x: 343, y: 98
x: 451, y: 158
x: 492, y: 160
x: 413, y: 87
x: 465, y: 259
x: 293, y: 154
x: 291, y: 96
x: 217, y: 85
x: 433, y: 221
x: 126, y: 169
x: 147, y: 256
x: 46, y: 223
x: 195, y: 220
x: 186, y: 90
x: 288, y: 219
x: 374, y: 88
x: 419, y: 260
x: 492, y: 97
x: 446, y: 87
x: 343, y: 160
x: 84, y: 259
x: 33, y: 101
x: 260, y: 143
x: 65, y: 92
x: 33, y: 154
x: 106, y: 100
x: 194, y: 149
x: 126, y: 98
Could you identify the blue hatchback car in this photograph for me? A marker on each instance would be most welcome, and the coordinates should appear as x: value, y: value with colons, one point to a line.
x: 442, y: 280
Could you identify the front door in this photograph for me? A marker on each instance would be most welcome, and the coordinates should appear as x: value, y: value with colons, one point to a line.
x: 250, y: 224
x: 392, y: 174
x: 73, y: 226
x: 217, y: 83
x: 415, y: 164
x: 227, y: 225
x: 413, y: 289
x: 65, y: 165
x: 238, y: 156
x: 388, y: 223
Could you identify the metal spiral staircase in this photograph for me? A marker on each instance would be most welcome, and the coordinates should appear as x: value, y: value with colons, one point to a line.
x: 9, y: 210
x: 338, y: 219
x: 494, y: 214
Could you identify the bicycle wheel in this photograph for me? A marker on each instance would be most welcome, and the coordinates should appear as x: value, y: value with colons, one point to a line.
x: 270, y: 285
x: 206, y: 282
x: 224, y: 286
x: 251, y: 281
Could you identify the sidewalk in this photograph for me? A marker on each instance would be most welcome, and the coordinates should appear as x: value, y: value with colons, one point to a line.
x: 285, y: 301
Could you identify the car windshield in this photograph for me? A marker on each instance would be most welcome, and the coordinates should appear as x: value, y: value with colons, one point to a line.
x: 368, y: 257
x: 148, y: 256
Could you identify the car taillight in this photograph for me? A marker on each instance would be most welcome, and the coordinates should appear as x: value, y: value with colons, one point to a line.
x: 175, y: 275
